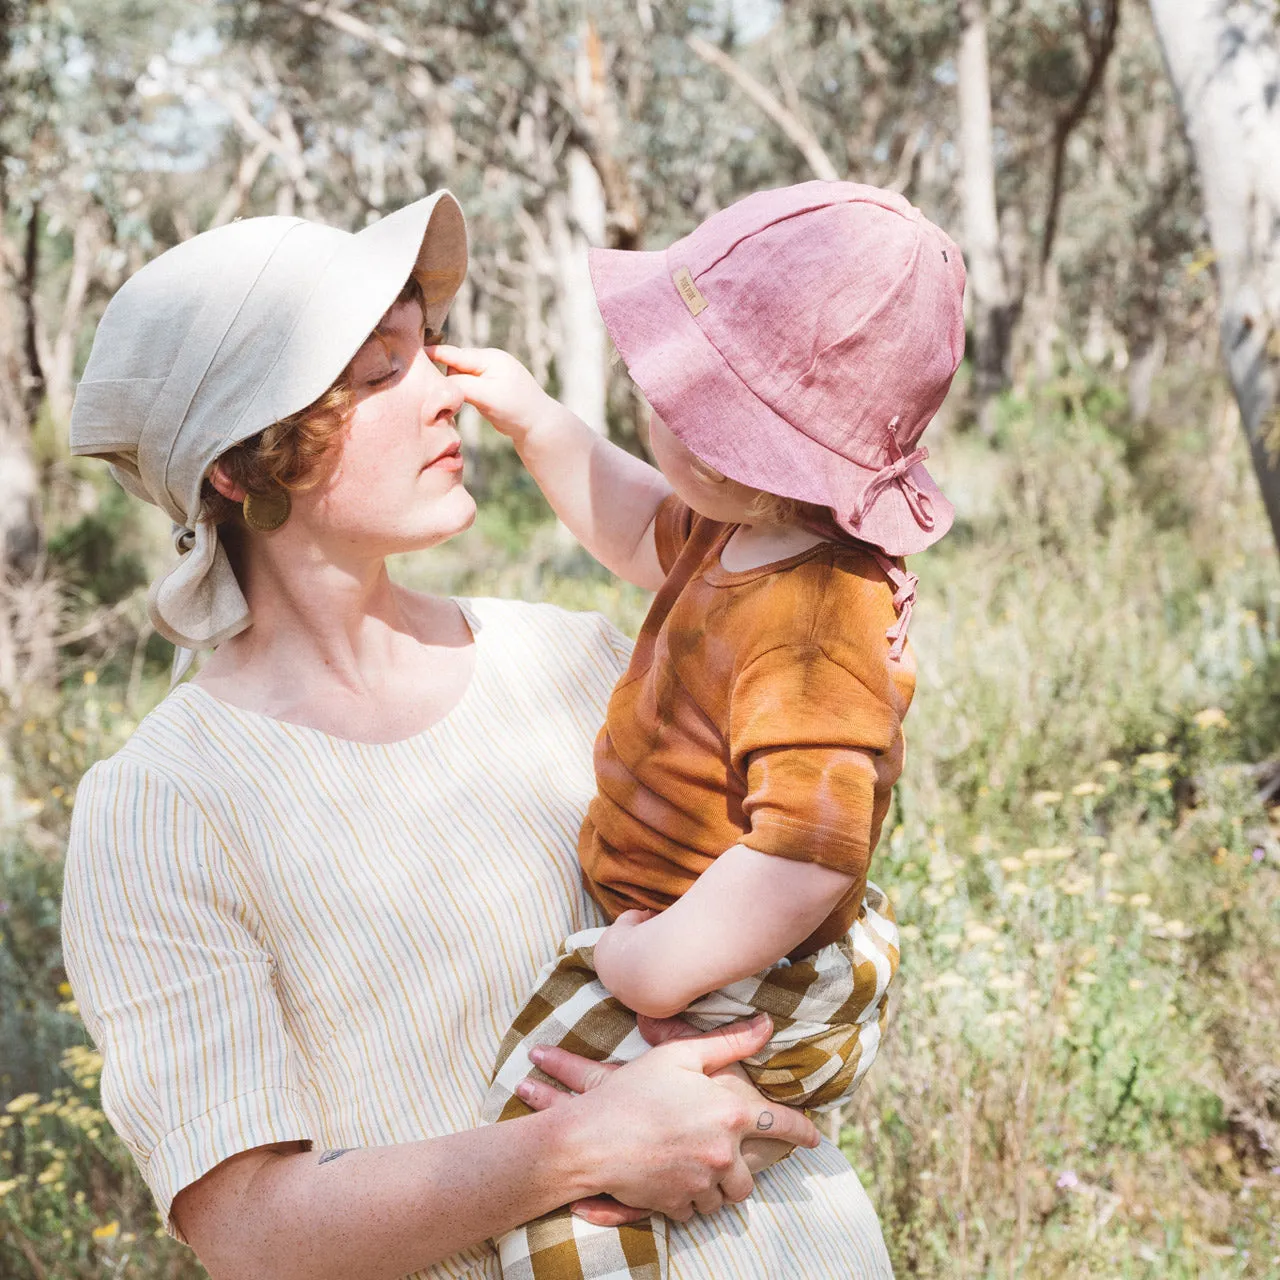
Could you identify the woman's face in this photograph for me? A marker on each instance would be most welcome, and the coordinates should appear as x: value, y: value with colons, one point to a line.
x: 397, y: 482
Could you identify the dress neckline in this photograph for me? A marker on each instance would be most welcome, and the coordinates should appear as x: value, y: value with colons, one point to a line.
x: 468, y: 696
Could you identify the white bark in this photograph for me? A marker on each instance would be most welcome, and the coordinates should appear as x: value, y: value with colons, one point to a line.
x: 1223, y: 58
x: 987, y: 283
x: 576, y: 220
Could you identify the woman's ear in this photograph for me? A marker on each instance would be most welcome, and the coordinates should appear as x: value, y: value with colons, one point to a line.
x: 224, y: 484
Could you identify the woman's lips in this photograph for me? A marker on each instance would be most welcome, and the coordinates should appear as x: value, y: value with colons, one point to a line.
x: 449, y: 460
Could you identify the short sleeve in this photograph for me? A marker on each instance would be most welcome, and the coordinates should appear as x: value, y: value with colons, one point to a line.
x: 173, y: 982
x: 817, y: 747
x: 672, y: 527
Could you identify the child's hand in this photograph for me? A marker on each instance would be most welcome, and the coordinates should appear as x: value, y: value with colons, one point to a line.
x: 499, y: 386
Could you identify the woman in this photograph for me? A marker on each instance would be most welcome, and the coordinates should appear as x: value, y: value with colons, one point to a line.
x: 305, y: 900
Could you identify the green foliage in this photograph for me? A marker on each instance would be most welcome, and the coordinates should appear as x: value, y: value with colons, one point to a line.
x: 1080, y: 1073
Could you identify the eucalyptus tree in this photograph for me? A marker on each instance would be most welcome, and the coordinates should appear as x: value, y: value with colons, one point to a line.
x: 1224, y: 61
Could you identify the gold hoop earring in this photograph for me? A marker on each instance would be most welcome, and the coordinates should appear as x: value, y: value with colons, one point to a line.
x: 265, y: 512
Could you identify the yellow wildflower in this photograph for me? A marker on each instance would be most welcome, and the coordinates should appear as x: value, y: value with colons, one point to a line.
x: 1043, y: 799
x: 1114, y: 899
x: 1108, y: 859
x: 1059, y: 853
x: 19, y: 1104
x: 1139, y: 899
x: 1157, y: 761
x: 1136, y: 984
x: 51, y: 1174
x: 1110, y: 766
x: 1017, y: 889
x: 1002, y: 982
x: 6, y: 1186
x: 90, y: 677
x: 1012, y: 863
x: 1220, y: 855
x: 1086, y: 979
x: 107, y: 1231
x: 949, y: 940
x: 977, y: 933
x: 1086, y: 789
x: 1212, y: 718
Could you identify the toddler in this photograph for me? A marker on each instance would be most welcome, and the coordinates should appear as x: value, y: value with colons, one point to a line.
x: 793, y: 349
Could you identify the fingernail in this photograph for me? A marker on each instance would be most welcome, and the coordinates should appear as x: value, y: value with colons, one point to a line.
x: 524, y: 1090
x: 536, y: 1055
x: 760, y: 1020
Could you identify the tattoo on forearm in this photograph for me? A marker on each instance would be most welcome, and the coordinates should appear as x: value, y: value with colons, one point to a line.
x: 765, y: 1121
x: 334, y: 1154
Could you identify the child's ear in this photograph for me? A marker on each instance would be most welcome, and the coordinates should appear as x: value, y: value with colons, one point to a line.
x: 706, y: 472
x: 224, y: 484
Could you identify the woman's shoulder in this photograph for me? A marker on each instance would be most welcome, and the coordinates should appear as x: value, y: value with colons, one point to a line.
x: 532, y: 634
x: 171, y: 747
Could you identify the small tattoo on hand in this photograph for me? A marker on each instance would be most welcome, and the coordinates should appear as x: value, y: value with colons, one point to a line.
x: 340, y: 1151
x: 765, y: 1121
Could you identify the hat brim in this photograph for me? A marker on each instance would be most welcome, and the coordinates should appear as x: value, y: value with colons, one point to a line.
x: 353, y: 290
x: 695, y: 392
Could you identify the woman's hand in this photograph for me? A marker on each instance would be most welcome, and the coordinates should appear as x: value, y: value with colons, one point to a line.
x: 669, y: 1138
x: 499, y: 386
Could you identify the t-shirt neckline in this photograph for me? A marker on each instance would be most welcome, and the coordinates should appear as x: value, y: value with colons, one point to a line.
x: 716, y: 575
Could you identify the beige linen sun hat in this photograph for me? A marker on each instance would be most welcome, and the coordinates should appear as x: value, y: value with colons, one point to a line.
x: 223, y: 335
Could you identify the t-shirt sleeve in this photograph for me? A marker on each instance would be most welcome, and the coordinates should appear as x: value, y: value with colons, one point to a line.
x: 167, y: 962
x: 672, y: 526
x: 812, y: 740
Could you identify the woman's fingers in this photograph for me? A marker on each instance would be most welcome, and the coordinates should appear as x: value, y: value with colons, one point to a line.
x: 716, y: 1049
x: 571, y: 1070
x: 784, y: 1124
x: 540, y: 1095
x: 737, y: 1185
x: 605, y: 1211
x: 710, y: 1201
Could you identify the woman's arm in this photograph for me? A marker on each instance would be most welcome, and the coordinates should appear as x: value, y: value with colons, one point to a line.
x: 606, y: 496
x: 656, y: 1133
x: 744, y: 913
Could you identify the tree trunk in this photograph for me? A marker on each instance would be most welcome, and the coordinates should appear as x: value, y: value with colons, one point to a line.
x: 576, y: 220
x: 1223, y: 58
x: 992, y: 312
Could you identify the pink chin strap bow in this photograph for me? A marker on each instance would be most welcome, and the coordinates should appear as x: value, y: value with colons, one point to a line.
x: 897, y: 471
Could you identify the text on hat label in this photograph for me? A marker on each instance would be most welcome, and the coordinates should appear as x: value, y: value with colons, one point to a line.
x: 683, y: 280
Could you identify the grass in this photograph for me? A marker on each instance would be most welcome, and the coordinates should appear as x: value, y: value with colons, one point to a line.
x: 1082, y: 1074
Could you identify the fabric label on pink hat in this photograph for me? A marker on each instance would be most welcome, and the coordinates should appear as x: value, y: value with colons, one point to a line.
x: 683, y: 280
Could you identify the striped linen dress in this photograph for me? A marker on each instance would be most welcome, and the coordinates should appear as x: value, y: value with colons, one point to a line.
x: 257, y: 916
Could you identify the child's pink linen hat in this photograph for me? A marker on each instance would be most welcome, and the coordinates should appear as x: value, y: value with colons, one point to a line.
x: 800, y: 341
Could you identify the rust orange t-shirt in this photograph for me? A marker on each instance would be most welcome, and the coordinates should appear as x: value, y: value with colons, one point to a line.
x: 761, y: 708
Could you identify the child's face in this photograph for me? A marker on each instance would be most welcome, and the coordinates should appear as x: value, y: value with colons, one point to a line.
x: 705, y: 490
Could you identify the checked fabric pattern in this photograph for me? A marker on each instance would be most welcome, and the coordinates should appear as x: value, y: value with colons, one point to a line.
x: 828, y: 1014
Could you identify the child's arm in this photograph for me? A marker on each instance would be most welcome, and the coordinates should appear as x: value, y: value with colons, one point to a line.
x: 607, y: 497
x: 744, y: 913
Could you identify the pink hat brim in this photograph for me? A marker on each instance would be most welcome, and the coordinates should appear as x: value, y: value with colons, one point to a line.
x: 708, y: 407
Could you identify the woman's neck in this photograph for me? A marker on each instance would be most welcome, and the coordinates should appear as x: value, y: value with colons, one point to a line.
x: 341, y: 648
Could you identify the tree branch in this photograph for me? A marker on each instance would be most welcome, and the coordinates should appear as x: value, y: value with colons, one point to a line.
x: 1100, y: 49
x: 804, y: 140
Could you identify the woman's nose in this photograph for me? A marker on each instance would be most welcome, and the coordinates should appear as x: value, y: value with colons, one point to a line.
x: 442, y: 397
